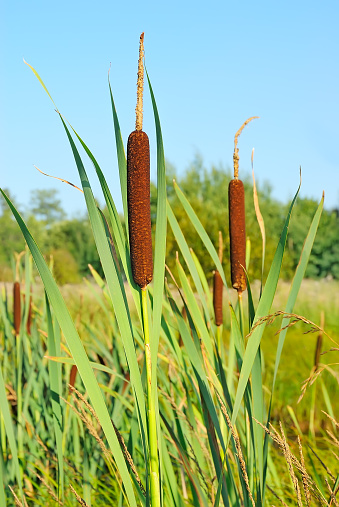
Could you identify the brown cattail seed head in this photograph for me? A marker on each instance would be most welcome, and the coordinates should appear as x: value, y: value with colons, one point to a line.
x: 139, y: 209
x: 72, y: 376
x: 236, y: 207
x: 217, y: 297
x: 319, y: 341
x: 29, y: 317
x: 16, y: 307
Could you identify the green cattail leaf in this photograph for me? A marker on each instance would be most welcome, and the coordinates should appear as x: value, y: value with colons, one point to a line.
x: 114, y: 282
x: 119, y: 235
x: 160, y: 236
x: 327, y: 399
x: 262, y: 310
x: 296, y: 283
x: 195, y: 355
x: 202, y: 276
x: 174, y: 498
x: 201, y: 231
x: 77, y: 350
x: 199, y: 492
x: 195, y: 312
x: 9, y: 428
x: 258, y: 414
x: 41, y: 82
x: 54, y: 380
x: 3, y: 500
x: 187, y: 254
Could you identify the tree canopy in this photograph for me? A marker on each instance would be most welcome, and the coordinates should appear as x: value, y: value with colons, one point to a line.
x: 71, y: 243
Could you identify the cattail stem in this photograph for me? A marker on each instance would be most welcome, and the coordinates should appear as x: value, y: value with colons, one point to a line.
x: 151, y: 411
x: 140, y: 86
x: 241, y: 313
x: 236, y: 149
x: 219, y: 336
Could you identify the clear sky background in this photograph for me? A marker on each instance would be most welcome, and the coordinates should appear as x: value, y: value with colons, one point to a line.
x: 212, y: 65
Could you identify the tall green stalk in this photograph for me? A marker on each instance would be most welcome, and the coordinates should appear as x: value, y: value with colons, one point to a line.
x: 151, y: 411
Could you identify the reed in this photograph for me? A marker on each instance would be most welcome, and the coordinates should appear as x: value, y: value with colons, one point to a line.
x: 218, y: 289
x: 140, y: 236
x: 138, y: 191
x: 237, y: 227
x: 16, y: 307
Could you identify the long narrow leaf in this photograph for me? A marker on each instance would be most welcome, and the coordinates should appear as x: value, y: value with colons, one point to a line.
x: 262, y: 310
x: 77, y: 351
x: 4, y: 409
x: 55, y: 395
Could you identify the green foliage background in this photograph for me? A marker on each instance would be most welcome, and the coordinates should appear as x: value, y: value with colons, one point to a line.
x: 70, y: 245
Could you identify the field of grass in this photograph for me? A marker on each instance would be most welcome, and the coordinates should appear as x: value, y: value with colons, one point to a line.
x: 297, y: 360
x: 94, y: 319
x: 135, y: 390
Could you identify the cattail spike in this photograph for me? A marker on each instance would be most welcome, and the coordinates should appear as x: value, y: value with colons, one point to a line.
x: 29, y: 317
x: 319, y: 341
x: 218, y: 288
x: 138, y: 192
x: 139, y: 210
x: 72, y: 377
x: 237, y: 230
x: 236, y: 209
x: 17, y: 307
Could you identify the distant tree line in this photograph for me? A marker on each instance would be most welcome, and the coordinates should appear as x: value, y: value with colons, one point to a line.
x: 69, y: 242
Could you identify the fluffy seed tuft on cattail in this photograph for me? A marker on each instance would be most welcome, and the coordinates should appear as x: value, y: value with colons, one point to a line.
x: 16, y: 307
x: 218, y: 287
x: 237, y: 229
x: 138, y: 191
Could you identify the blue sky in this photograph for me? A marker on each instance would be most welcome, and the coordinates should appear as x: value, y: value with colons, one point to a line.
x: 212, y: 65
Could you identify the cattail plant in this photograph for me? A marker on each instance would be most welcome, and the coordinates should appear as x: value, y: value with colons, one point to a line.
x: 237, y: 229
x: 138, y: 190
x: 16, y: 307
x: 139, y: 222
x: 319, y: 341
x: 29, y: 317
x: 218, y: 289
